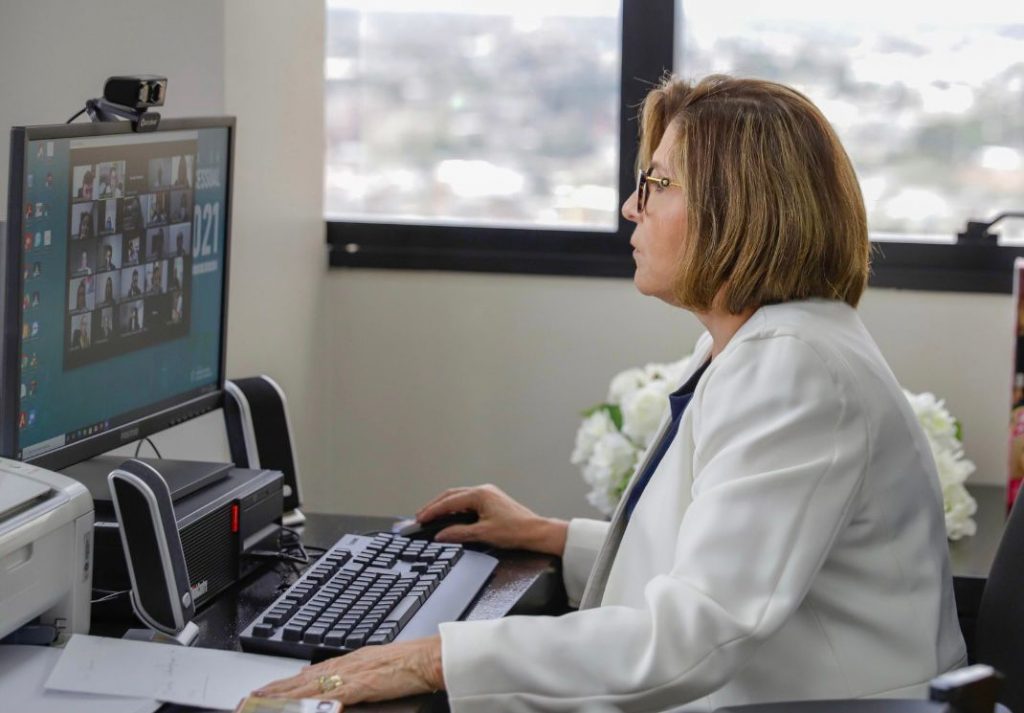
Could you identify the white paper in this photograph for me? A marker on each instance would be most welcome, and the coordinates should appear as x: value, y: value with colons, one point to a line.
x: 23, y: 670
x: 175, y: 674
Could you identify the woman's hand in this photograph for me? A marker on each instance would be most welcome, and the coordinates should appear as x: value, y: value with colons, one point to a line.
x: 503, y: 521
x: 372, y: 673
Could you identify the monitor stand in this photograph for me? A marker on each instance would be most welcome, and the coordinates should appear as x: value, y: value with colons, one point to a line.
x: 183, y: 477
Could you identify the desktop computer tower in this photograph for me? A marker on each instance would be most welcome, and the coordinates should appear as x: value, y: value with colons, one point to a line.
x: 221, y: 514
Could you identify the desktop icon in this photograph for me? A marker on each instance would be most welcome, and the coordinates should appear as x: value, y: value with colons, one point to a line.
x: 47, y: 238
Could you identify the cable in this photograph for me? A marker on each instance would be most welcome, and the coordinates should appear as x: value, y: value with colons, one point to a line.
x: 109, y: 595
x: 80, y: 112
x: 147, y: 439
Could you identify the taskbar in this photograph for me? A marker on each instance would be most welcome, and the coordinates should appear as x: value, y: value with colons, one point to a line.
x: 65, y: 439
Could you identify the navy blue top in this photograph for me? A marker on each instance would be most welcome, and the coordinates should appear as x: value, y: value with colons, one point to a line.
x: 677, y: 401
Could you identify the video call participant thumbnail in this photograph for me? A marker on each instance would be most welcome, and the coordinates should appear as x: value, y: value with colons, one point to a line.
x: 80, y: 331
x: 81, y: 256
x: 110, y: 253
x: 81, y: 295
x: 108, y: 284
x: 108, y: 221
x: 105, y: 330
x: 131, y: 282
x: 180, y: 240
x: 131, y: 316
x: 83, y: 221
x: 155, y: 243
x: 83, y: 183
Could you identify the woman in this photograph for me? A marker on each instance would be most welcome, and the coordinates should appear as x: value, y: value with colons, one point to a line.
x: 85, y: 225
x: 108, y: 291
x: 80, y: 294
x: 784, y: 536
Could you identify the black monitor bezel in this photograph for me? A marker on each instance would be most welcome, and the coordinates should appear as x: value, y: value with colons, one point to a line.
x: 172, y: 412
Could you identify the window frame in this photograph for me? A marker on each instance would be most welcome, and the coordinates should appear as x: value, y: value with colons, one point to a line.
x: 647, y: 53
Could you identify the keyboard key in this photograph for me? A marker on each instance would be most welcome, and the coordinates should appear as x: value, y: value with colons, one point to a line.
x: 292, y: 633
x: 404, y: 611
x: 313, y: 635
x: 263, y: 630
x: 335, y: 638
x: 355, y: 639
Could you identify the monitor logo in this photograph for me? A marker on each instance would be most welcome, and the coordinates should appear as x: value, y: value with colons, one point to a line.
x: 130, y: 434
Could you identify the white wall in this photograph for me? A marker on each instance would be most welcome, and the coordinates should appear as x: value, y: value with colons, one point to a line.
x: 444, y: 379
x: 56, y: 54
x: 274, y: 85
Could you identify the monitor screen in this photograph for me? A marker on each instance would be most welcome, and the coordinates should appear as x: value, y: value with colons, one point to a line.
x: 117, y: 243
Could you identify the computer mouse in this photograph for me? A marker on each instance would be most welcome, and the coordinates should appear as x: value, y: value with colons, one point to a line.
x: 427, y: 530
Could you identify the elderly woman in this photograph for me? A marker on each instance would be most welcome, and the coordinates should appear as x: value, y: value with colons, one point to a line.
x: 783, y: 537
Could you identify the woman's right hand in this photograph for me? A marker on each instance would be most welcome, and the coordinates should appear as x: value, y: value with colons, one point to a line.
x: 503, y: 522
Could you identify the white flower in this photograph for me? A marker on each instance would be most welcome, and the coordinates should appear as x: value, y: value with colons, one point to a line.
x: 594, y: 427
x: 953, y: 468
x: 613, y: 457
x: 937, y: 422
x: 959, y: 507
x: 643, y: 410
x: 606, y: 455
x: 625, y: 383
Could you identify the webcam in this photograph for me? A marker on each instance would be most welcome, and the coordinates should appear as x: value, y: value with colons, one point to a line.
x: 139, y: 91
x: 129, y: 97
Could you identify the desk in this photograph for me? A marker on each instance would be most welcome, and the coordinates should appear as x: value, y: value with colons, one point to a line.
x: 523, y: 583
x: 530, y: 583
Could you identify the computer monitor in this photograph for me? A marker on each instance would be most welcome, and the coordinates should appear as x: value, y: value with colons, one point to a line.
x: 115, y: 274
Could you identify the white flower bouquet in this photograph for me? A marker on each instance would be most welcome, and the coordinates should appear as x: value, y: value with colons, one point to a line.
x: 945, y: 438
x: 615, y: 433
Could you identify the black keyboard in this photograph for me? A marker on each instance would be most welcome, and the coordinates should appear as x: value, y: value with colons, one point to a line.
x: 369, y: 590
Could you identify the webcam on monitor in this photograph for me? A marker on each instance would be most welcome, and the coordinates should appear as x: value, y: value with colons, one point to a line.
x: 129, y: 97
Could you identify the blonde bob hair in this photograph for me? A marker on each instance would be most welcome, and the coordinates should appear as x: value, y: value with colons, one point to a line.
x: 774, y: 210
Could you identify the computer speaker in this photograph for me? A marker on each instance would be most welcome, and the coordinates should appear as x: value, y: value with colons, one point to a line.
x: 260, y: 434
x: 161, y: 595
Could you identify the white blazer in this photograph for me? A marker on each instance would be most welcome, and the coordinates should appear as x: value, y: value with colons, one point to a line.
x: 789, y: 546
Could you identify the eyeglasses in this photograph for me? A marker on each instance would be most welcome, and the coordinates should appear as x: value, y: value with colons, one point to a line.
x: 645, y: 177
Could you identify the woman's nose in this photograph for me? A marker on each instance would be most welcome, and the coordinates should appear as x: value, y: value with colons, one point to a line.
x: 629, y: 211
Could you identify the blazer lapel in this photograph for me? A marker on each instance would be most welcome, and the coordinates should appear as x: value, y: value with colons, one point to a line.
x: 598, y: 580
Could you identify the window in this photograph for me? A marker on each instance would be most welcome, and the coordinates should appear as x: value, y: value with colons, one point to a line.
x: 927, y: 107
x: 506, y: 113
x: 495, y: 136
x: 503, y: 137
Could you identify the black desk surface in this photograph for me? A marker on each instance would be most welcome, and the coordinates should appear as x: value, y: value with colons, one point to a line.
x: 523, y: 583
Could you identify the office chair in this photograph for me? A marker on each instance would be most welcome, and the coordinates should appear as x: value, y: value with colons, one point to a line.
x: 998, y: 640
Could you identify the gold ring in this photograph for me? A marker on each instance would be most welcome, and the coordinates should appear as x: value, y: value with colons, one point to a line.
x: 329, y: 683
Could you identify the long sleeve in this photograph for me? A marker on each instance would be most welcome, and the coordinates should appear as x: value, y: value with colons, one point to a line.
x: 780, y: 448
x: 582, y: 544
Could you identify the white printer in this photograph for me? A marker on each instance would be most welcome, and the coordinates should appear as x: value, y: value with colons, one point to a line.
x: 46, y: 527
